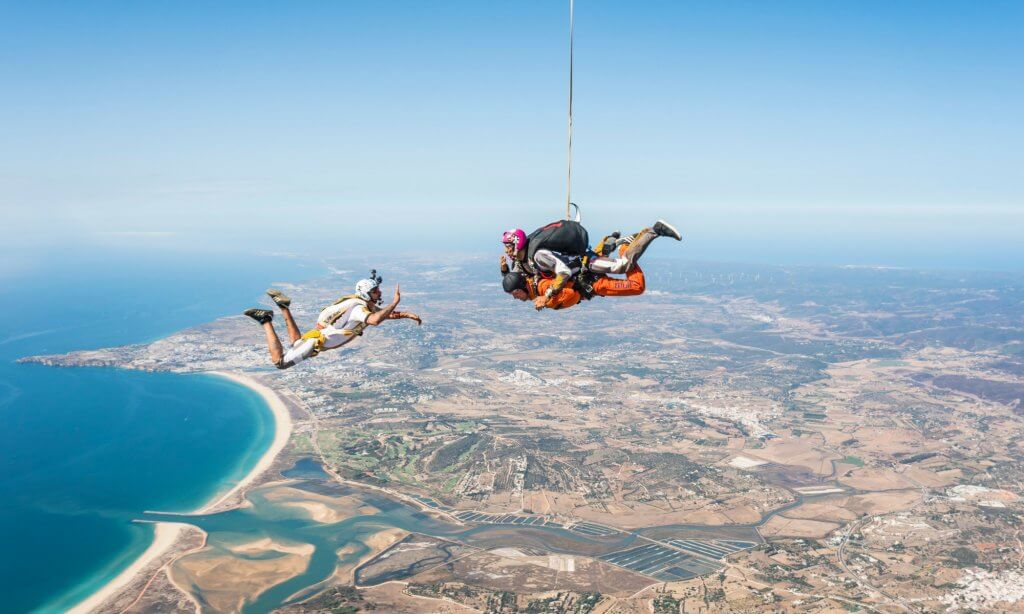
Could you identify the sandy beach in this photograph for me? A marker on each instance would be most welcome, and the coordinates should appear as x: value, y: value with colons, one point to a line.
x: 167, y: 533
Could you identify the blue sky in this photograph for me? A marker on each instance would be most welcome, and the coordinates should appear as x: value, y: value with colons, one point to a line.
x: 869, y: 132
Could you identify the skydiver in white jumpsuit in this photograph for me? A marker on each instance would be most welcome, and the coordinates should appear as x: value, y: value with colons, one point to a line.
x: 336, y: 326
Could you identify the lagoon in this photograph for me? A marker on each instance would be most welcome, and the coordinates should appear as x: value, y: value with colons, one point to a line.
x: 84, y: 451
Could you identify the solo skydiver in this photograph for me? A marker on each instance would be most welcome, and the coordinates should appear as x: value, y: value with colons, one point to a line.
x: 552, y: 270
x: 337, y: 324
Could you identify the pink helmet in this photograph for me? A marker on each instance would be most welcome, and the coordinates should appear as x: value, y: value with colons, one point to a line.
x: 516, y: 237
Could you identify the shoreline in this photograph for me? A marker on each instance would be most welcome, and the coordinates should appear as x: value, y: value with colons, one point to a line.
x: 166, y: 534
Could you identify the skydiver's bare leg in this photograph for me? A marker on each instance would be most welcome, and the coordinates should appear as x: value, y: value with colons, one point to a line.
x: 273, y: 343
x: 284, y: 303
x: 289, y: 321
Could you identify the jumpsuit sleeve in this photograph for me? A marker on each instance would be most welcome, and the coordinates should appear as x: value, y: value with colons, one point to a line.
x: 550, y: 262
x: 566, y: 298
x: 359, y: 314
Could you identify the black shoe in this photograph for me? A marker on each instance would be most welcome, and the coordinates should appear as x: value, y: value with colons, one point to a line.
x: 584, y: 284
x: 260, y: 315
x: 279, y: 298
x: 609, y: 243
x: 664, y: 229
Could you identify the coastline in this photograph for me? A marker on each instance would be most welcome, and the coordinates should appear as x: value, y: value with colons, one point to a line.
x: 167, y: 533
x: 282, y: 433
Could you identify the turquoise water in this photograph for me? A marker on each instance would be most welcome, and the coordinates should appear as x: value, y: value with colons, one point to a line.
x: 84, y: 451
x: 266, y: 518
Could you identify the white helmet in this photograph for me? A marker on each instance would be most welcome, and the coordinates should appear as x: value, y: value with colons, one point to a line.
x: 365, y: 286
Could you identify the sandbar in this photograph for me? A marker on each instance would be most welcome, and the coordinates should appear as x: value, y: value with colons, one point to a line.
x: 166, y: 534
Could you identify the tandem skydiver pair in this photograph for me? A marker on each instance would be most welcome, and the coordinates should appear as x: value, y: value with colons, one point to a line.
x: 555, y: 267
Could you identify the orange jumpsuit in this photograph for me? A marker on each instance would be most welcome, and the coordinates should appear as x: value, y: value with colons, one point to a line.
x: 632, y: 285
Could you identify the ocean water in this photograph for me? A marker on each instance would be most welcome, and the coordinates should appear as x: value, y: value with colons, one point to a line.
x: 84, y: 451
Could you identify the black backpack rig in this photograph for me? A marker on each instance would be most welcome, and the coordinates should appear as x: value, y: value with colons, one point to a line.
x: 568, y: 237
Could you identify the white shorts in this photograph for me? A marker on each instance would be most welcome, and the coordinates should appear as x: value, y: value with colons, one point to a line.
x: 300, y: 350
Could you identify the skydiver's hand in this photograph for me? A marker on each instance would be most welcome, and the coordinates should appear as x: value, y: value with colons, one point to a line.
x: 415, y: 318
x: 540, y: 302
x: 398, y: 295
x: 504, y: 265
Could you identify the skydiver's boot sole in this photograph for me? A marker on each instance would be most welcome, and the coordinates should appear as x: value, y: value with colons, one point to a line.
x: 280, y: 298
x: 664, y: 229
x: 263, y: 316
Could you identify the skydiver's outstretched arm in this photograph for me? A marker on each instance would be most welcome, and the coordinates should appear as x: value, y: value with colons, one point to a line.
x: 380, y: 315
x: 405, y: 315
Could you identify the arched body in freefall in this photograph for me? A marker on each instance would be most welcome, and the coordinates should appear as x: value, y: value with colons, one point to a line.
x: 535, y: 289
x: 543, y: 274
x: 337, y: 325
